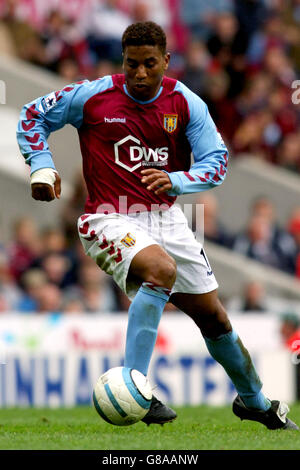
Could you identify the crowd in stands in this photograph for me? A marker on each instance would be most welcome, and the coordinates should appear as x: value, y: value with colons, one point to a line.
x: 40, y: 272
x: 263, y: 238
x: 241, y: 57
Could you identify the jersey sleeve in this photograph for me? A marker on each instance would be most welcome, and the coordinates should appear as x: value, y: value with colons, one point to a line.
x: 50, y: 113
x: 209, y: 151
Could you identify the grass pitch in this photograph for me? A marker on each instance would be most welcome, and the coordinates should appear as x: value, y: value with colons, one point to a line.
x: 196, y: 428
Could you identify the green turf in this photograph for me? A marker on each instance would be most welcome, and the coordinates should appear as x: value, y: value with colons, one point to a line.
x: 81, y: 428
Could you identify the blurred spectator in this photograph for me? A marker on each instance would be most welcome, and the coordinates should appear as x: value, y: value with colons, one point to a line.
x: 248, y: 137
x: 282, y: 241
x: 228, y: 45
x: 264, y: 207
x: 253, y: 299
x: 32, y: 281
x: 177, y: 29
x: 59, y: 262
x: 68, y: 69
x: 199, y: 15
x: 140, y: 11
x: 267, y: 113
x: 290, y: 331
x: 251, y: 14
x: 7, y: 46
x: 294, y: 229
x: 74, y: 209
x: 20, y: 38
x: 104, y: 67
x: 287, y: 118
x: 290, y: 334
x: 31, y: 12
x: 257, y: 243
x: 279, y: 66
x: 10, y: 294
x: 197, y: 63
x: 291, y: 18
x: 93, y: 290
x: 255, y: 94
x: 267, y: 38
x: 53, y: 240
x: 56, y: 267
x: 226, y: 39
x: 107, y: 24
x: 213, y: 229
x: 284, y: 112
x: 288, y: 153
x: 3, y: 304
x: 25, y: 247
x: 222, y: 109
x: 257, y: 132
x: 49, y: 299
x: 145, y: 10
x: 63, y: 41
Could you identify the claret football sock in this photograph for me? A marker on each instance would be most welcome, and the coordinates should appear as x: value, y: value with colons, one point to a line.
x: 143, y: 319
x: 230, y: 352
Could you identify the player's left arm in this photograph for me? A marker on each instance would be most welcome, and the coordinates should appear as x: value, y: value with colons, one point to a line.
x: 210, y: 153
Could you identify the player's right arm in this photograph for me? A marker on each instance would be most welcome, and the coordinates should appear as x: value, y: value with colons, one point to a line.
x: 45, y: 115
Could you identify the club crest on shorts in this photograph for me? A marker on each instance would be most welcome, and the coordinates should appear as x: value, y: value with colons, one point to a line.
x: 128, y: 240
x: 170, y: 122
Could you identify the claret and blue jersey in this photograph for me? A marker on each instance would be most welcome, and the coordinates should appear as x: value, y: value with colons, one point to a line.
x: 120, y: 136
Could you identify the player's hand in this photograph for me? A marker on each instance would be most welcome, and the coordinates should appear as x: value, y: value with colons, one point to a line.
x: 156, y: 180
x: 46, y: 192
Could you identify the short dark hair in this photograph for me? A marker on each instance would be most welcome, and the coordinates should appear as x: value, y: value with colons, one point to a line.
x: 145, y: 33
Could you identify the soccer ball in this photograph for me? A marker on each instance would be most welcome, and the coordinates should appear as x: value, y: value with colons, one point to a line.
x: 122, y: 396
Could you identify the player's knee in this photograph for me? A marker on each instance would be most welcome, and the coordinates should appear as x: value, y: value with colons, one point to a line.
x: 163, y: 272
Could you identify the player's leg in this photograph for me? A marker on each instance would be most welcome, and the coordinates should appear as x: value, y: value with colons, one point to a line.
x: 195, y: 293
x: 226, y: 348
x: 156, y: 272
x: 143, y: 270
x: 146, y: 273
x: 224, y: 344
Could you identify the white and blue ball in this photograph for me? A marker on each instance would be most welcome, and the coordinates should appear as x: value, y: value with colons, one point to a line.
x: 122, y: 396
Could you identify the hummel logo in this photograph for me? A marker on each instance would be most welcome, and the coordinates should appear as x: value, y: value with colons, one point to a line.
x: 110, y: 120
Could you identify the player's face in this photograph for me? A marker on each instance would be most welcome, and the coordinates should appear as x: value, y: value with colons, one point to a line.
x: 144, y: 68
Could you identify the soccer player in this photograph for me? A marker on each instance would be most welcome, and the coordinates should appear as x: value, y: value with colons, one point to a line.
x: 137, y: 131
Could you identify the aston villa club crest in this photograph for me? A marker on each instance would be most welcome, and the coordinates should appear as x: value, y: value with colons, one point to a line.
x: 170, y: 122
x: 128, y: 240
